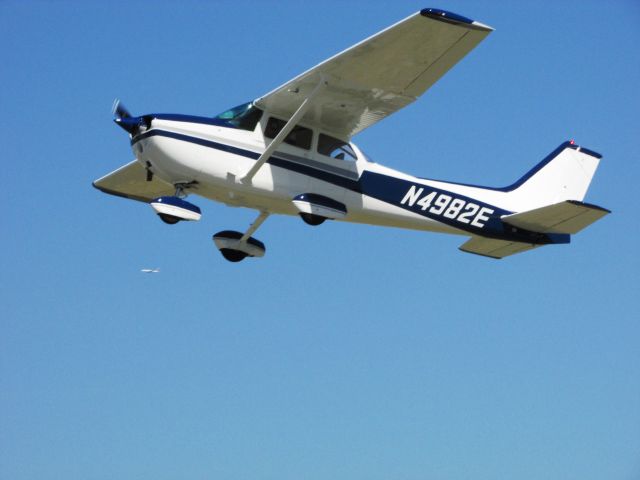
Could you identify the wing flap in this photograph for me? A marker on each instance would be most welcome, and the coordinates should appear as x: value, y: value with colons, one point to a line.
x: 565, y: 217
x: 130, y: 181
x: 494, y: 248
x: 381, y: 74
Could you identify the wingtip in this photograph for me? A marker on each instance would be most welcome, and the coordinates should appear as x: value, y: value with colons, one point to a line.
x: 482, y: 26
x: 453, y: 18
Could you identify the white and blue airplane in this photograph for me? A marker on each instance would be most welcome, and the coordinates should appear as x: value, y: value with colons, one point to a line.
x: 289, y: 152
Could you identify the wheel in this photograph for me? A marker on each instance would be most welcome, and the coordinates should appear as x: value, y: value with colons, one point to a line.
x: 311, y: 219
x: 233, y: 255
x: 170, y: 219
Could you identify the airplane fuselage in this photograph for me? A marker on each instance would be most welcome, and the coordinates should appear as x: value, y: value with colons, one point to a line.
x: 212, y: 159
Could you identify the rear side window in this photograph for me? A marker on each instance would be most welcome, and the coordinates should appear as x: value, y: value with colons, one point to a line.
x: 335, y: 148
x: 299, y: 137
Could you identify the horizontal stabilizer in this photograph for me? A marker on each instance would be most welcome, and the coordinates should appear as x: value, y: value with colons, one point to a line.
x: 565, y: 217
x: 491, y: 247
x: 130, y: 181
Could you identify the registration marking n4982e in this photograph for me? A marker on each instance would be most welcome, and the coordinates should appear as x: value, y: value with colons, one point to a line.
x: 438, y: 203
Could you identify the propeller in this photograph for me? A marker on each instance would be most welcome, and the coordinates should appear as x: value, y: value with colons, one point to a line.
x: 124, y: 119
x: 119, y: 110
x: 131, y: 124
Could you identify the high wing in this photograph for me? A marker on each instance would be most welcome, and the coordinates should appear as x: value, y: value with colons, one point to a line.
x: 379, y: 75
x: 130, y: 181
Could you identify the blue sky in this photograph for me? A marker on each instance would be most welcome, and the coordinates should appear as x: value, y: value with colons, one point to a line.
x: 348, y: 352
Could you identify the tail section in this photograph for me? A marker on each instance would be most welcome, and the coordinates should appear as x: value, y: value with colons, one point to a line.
x: 565, y: 174
x: 548, y: 202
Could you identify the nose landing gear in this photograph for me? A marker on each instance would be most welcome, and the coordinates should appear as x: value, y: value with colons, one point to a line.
x: 236, y: 246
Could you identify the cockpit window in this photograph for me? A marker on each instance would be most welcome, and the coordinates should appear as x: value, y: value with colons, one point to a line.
x: 298, y: 137
x: 244, y: 117
x: 332, y: 147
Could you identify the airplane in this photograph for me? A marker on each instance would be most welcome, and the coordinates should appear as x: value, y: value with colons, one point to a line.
x: 290, y: 152
x: 150, y: 270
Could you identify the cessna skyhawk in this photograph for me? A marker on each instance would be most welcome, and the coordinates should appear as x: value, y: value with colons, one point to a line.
x: 289, y: 152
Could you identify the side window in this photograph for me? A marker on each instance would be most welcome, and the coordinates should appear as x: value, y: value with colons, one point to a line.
x: 299, y: 137
x: 332, y: 147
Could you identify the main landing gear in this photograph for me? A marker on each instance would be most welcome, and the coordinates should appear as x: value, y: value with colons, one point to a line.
x: 236, y: 246
x: 314, y: 209
x: 173, y: 209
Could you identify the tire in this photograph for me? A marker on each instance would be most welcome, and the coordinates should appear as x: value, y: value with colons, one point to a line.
x: 169, y: 219
x: 311, y: 219
x: 233, y: 255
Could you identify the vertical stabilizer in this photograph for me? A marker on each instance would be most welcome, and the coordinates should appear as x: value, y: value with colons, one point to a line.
x: 565, y: 174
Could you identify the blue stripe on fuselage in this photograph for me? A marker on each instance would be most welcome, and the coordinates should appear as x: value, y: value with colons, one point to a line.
x: 198, y: 141
x: 382, y: 187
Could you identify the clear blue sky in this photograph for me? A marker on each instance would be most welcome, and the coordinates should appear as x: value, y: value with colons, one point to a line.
x: 348, y: 352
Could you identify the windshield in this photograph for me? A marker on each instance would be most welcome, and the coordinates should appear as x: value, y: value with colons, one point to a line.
x: 244, y: 117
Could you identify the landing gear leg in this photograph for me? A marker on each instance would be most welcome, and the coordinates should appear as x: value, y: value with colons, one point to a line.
x: 181, y: 187
x: 236, y: 246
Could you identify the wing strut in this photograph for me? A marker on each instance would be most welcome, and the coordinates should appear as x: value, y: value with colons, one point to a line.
x: 279, y: 138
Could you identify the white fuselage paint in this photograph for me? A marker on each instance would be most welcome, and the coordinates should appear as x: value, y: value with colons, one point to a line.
x: 218, y: 173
